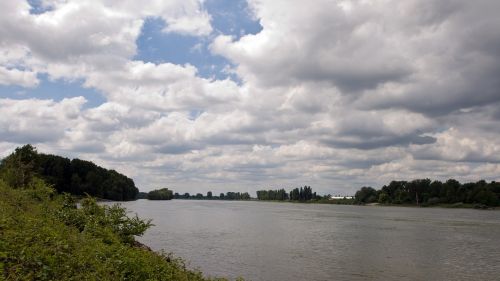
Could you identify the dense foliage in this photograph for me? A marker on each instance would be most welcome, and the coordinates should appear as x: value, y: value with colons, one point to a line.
x: 279, y: 194
x: 105, y: 222
x: 44, y: 236
x: 297, y: 194
x: 427, y: 192
x: 75, y: 176
x: 160, y: 194
x: 210, y: 196
x: 142, y: 195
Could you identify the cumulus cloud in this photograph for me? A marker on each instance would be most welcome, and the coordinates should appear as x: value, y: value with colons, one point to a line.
x: 325, y: 44
x: 163, y: 87
x: 456, y: 145
x: 428, y: 57
x: 26, y: 79
x: 38, y: 121
x: 103, y: 36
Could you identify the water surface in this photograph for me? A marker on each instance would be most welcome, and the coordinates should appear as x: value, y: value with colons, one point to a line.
x: 286, y: 241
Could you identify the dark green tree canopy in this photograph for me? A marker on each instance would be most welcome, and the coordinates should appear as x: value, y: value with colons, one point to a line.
x: 297, y: 194
x: 366, y: 195
x: 427, y: 192
x: 160, y: 194
x: 78, y: 177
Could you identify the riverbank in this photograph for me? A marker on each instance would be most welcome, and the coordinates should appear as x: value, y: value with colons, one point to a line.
x: 45, y: 237
x: 351, y: 202
x: 441, y: 205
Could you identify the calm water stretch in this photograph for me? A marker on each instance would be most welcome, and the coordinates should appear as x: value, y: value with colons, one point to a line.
x: 285, y: 241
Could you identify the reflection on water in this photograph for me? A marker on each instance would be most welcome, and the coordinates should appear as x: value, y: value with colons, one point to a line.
x: 284, y: 241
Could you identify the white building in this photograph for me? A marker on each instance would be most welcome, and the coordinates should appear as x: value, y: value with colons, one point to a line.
x: 333, y: 197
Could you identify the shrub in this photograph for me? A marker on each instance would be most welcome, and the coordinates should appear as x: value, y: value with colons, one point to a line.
x: 46, y: 237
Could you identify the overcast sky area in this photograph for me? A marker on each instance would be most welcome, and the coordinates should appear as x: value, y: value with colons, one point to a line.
x: 233, y: 95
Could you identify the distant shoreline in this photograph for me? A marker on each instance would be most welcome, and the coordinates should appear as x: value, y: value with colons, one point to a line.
x: 332, y: 202
x: 443, y: 206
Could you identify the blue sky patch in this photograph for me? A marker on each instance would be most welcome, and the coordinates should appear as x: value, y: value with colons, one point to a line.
x: 229, y: 17
x: 156, y: 46
x: 55, y: 90
x: 37, y: 7
x: 195, y: 113
x: 232, y: 17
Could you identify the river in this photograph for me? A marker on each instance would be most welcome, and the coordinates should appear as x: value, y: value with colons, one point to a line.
x: 287, y: 241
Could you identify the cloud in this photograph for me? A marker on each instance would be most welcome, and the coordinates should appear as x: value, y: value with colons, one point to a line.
x: 326, y: 44
x: 343, y: 95
x: 456, y: 59
x: 187, y: 25
x: 26, y: 79
x: 456, y: 145
x: 398, y: 57
x: 38, y: 121
x: 161, y: 87
x: 103, y: 36
x: 368, y: 130
x: 184, y: 17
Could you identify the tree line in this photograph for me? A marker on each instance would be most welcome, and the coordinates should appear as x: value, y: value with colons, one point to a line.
x: 427, y: 192
x: 228, y: 196
x: 297, y: 194
x: 78, y: 177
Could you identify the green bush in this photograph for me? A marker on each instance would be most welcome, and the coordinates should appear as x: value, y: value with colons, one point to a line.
x: 45, y: 236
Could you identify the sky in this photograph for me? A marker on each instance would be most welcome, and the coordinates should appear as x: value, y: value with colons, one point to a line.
x: 234, y: 95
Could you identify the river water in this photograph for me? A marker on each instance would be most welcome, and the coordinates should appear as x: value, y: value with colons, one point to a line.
x: 287, y: 241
